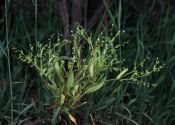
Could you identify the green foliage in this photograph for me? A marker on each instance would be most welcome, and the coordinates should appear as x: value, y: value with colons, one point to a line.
x: 121, y: 93
x: 69, y: 78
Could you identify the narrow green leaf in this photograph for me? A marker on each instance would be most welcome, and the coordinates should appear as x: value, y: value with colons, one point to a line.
x: 127, y: 118
x: 95, y: 87
x: 55, y: 115
x: 75, y: 89
x: 70, y: 81
x: 59, y: 72
x: 122, y: 73
x: 24, y: 111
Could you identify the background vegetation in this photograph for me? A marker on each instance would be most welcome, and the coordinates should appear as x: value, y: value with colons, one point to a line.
x: 148, y: 26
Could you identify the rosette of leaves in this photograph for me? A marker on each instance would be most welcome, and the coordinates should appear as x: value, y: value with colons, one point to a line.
x: 86, y: 70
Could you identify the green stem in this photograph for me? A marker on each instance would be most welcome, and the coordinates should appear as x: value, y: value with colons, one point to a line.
x: 8, y: 59
x: 36, y: 20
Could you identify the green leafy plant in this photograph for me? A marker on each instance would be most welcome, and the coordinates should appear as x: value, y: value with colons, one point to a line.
x: 84, y: 71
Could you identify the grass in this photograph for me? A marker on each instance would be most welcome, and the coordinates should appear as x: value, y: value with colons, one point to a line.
x: 8, y: 58
x: 148, y: 28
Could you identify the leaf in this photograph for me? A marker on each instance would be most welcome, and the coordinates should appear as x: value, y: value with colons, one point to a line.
x: 70, y: 81
x: 75, y: 89
x: 95, y: 87
x: 72, y: 119
x: 59, y: 72
x: 63, y: 97
x: 29, y: 58
x: 127, y: 118
x: 24, y: 111
x: 41, y: 56
x: 52, y: 85
x: 122, y: 73
x: 55, y: 115
x: 91, y: 69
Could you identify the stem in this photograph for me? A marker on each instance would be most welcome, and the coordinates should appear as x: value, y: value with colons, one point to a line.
x: 36, y: 20
x: 8, y: 59
x: 119, y: 28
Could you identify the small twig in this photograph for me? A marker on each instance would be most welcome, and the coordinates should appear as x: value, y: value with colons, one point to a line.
x: 93, y: 122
